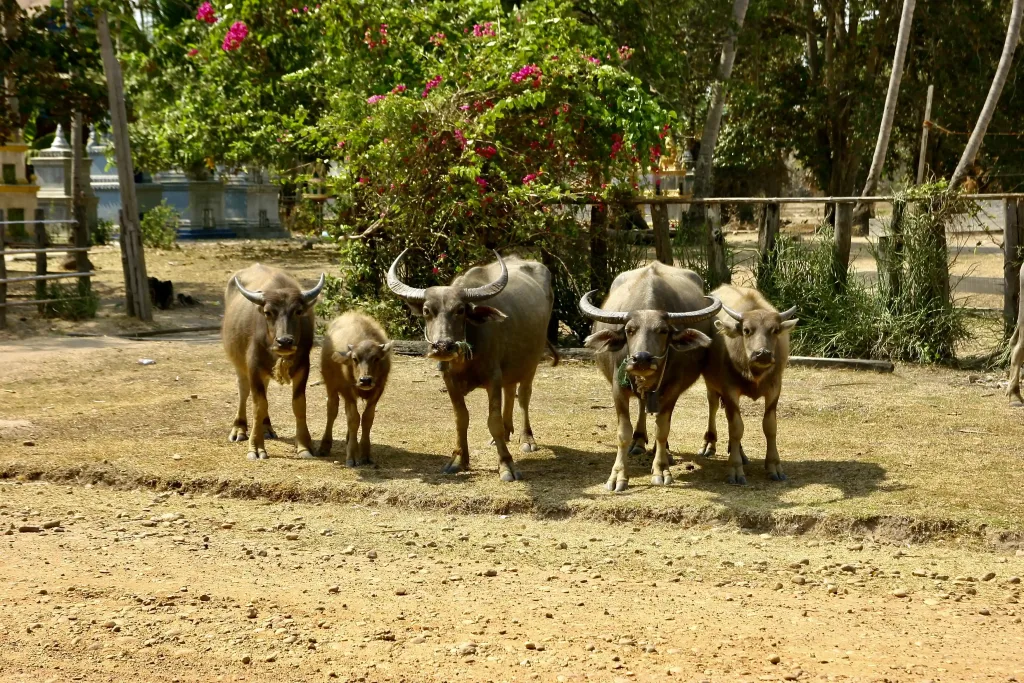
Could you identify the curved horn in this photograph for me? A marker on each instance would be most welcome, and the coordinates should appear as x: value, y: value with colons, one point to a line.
x: 702, y: 314
x: 786, y: 315
x: 738, y: 317
x: 255, y: 297
x: 404, y: 291
x: 599, y: 314
x: 310, y: 295
x: 487, y: 291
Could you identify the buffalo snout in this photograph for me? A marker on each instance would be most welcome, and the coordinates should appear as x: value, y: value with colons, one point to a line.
x: 365, y: 382
x: 284, y: 344
x: 444, y: 349
x: 642, y: 363
x: 762, y: 357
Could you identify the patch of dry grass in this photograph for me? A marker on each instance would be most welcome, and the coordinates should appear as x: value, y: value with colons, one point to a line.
x: 921, y: 451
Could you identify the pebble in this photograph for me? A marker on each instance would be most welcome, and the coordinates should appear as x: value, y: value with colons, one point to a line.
x: 417, y: 640
x: 251, y: 614
x: 491, y: 572
x: 529, y: 645
x: 792, y: 675
x: 28, y: 443
x: 28, y: 529
x: 270, y: 658
x: 292, y: 537
x: 799, y: 580
x: 774, y: 659
x: 334, y: 589
x: 372, y: 554
x: 1013, y: 579
x: 348, y: 550
x: 204, y: 597
x: 467, y: 648
x: 175, y: 457
x: 989, y: 576
x: 246, y: 659
x: 984, y: 612
x: 900, y: 593
x: 400, y: 591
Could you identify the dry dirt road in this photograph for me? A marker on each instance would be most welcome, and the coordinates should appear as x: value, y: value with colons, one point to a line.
x: 144, y: 586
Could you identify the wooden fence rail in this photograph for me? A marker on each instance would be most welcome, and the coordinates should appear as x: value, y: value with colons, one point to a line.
x: 41, y: 248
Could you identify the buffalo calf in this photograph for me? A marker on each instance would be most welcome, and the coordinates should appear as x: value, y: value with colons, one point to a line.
x: 355, y: 364
x: 268, y: 333
x: 748, y: 355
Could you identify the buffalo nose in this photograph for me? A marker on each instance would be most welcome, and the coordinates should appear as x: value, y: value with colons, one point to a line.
x: 285, y: 341
x: 444, y: 345
x: 365, y: 381
x: 762, y: 355
x: 642, y: 358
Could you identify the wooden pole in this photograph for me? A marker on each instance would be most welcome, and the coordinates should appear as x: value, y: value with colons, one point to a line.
x: 1011, y: 263
x: 3, y: 272
x: 718, y: 270
x: 598, y: 247
x: 922, y: 159
x: 81, y: 228
x: 40, y: 240
x: 769, y: 231
x: 136, y: 281
x: 843, y: 238
x: 662, y: 240
x: 128, y: 293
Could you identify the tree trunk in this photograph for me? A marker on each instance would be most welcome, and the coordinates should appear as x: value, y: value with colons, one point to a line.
x: 1002, y: 71
x: 889, y: 111
x: 702, y: 174
x: 81, y: 233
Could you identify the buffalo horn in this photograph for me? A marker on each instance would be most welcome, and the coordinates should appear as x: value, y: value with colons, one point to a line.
x: 600, y: 315
x: 309, y: 295
x: 786, y: 315
x: 697, y: 316
x: 738, y: 317
x: 492, y: 289
x: 255, y: 297
x: 404, y: 291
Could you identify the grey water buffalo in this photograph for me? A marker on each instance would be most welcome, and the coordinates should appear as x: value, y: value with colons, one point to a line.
x: 748, y: 355
x: 496, y: 345
x: 1017, y: 351
x: 650, y: 338
x: 267, y: 333
x: 355, y: 363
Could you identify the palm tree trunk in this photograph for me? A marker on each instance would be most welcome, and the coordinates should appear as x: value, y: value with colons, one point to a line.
x: 709, y: 137
x: 985, y: 118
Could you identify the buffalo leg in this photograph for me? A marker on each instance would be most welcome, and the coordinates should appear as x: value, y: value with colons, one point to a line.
x: 460, y: 457
x: 352, y: 436
x: 303, y: 441
x: 1016, y: 357
x: 711, y: 435
x: 506, y: 468
x: 619, y: 479
x: 736, y: 458
x: 333, y: 401
x: 240, y: 430
x: 772, y: 465
x: 507, y: 406
x: 257, y: 448
x: 660, y: 473
x: 526, y: 441
x: 364, y: 439
x: 639, y: 443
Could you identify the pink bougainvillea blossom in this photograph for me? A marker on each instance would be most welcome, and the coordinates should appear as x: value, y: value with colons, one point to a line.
x: 530, y: 177
x: 438, y: 39
x: 529, y: 71
x: 363, y: 181
x: 483, y: 30
x: 375, y: 99
x: 616, y: 144
x: 193, y: 52
x: 460, y: 138
x: 464, y: 107
x: 206, y: 14
x: 235, y: 35
x: 655, y: 153
x: 398, y: 89
x: 481, y: 182
x: 431, y: 84
x: 625, y: 53
x: 593, y: 60
x: 486, y: 151
x: 341, y: 143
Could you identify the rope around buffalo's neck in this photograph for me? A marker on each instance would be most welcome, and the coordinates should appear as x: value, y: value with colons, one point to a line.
x: 622, y: 375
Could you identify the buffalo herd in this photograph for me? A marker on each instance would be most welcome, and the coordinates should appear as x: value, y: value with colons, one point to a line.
x: 654, y: 335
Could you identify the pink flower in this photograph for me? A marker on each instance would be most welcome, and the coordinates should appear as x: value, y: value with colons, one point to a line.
x: 438, y: 39
x: 398, y: 89
x: 554, y: 58
x: 363, y: 181
x: 529, y: 178
x: 464, y: 107
x: 193, y: 52
x: 341, y: 143
x: 616, y: 144
x: 205, y: 13
x: 528, y: 71
x: 375, y: 99
x: 593, y: 60
x: 655, y: 153
x: 487, y: 151
x: 460, y: 138
x: 486, y: 30
x: 625, y: 53
x: 235, y: 35
x: 481, y: 182
x: 431, y: 84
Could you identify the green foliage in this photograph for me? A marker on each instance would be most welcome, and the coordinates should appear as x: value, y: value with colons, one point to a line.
x: 101, y: 232
x: 159, y: 227
x: 71, y: 303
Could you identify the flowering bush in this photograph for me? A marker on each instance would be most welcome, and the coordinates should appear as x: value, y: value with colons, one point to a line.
x: 206, y: 14
x: 235, y: 35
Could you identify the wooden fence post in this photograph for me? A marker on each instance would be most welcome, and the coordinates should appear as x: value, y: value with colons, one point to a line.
x: 768, y: 231
x: 923, y: 159
x: 40, y: 235
x: 890, y: 253
x: 599, y: 246
x: 662, y: 240
x: 718, y: 269
x: 129, y: 293
x: 3, y: 273
x: 843, y: 238
x: 1011, y: 263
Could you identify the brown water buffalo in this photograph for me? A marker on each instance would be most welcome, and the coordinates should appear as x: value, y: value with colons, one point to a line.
x: 496, y: 346
x: 355, y: 363
x: 651, y: 336
x: 747, y: 358
x: 268, y: 332
x: 1017, y: 351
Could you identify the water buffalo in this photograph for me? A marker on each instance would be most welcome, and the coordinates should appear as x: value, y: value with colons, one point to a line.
x: 495, y: 346
x: 355, y: 364
x: 1017, y: 351
x: 747, y: 358
x: 268, y: 332
x: 650, y: 337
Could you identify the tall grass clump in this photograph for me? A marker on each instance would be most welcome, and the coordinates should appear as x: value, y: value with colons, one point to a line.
x: 70, y: 302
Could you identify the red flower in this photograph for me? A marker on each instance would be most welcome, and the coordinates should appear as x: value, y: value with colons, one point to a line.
x: 206, y: 14
x: 235, y: 35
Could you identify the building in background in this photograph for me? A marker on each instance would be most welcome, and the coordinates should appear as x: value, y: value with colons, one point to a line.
x: 17, y: 194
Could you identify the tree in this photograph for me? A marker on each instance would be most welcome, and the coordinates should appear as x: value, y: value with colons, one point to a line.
x: 998, y: 81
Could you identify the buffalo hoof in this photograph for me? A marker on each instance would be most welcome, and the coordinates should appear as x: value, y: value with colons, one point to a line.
x: 258, y: 454
x: 268, y: 431
x: 777, y: 476
x: 453, y: 468
x: 325, y: 448
x: 511, y: 475
x: 707, y: 450
x: 238, y: 434
x: 737, y: 480
x: 637, y: 450
x: 661, y: 480
x: 304, y: 453
x: 617, y: 486
x: 774, y: 472
x: 1016, y: 403
x: 364, y: 463
x: 528, y: 447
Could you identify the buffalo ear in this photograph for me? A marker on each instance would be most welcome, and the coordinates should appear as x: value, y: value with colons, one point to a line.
x: 606, y: 340
x: 789, y: 324
x: 729, y: 328
x: 387, y: 346
x: 340, y: 357
x: 417, y: 309
x: 478, y: 315
x: 689, y: 339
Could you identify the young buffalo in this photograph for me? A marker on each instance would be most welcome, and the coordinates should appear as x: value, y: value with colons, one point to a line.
x: 747, y: 357
x: 355, y: 364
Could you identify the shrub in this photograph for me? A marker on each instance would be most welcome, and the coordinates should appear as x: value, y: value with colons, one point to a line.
x: 70, y: 302
x: 101, y: 233
x: 159, y: 227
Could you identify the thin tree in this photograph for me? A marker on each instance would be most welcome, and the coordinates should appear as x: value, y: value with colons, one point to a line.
x: 985, y: 118
x: 702, y: 175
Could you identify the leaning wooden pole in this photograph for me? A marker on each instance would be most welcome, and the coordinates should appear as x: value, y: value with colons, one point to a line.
x: 922, y: 161
x: 81, y: 227
x: 135, y: 282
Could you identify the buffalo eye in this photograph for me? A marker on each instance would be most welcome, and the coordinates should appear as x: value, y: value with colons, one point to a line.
x: 747, y: 331
x: 427, y: 312
x: 460, y: 310
x: 775, y: 330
